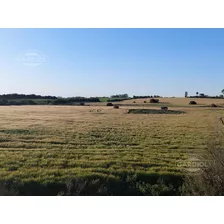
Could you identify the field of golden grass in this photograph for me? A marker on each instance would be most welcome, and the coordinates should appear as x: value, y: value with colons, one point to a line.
x: 51, y: 144
x: 184, y: 102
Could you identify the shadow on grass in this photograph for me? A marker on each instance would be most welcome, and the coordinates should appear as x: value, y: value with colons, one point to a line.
x: 126, y: 185
x: 17, y: 131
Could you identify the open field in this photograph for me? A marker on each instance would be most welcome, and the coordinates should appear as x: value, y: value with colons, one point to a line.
x: 178, y: 102
x: 42, y: 147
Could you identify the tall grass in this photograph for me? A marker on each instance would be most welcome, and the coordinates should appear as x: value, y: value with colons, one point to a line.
x: 208, y: 181
x: 52, y: 150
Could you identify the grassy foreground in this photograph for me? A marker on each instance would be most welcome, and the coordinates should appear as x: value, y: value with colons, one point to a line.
x: 98, y: 150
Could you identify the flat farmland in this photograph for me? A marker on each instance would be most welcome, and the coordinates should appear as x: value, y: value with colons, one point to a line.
x: 176, y: 102
x: 44, y: 147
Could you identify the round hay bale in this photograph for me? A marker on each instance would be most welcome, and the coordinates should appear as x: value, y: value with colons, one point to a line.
x: 109, y: 104
x: 154, y: 101
x: 192, y: 102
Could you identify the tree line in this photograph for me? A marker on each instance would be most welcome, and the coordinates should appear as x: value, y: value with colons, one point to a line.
x: 142, y: 97
x: 15, y: 96
x: 32, y: 99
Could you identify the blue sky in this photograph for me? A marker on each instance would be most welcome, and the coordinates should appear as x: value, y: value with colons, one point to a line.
x: 102, y: 62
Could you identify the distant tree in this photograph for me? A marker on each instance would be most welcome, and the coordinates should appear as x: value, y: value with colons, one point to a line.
x: 197, y: 93
x: 14, y: 96
x: 142, y: 97
x: 222, y: 92
x: 122, y: 96
x: 186, y: 94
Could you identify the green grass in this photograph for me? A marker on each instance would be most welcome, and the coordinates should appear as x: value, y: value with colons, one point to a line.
x: 104, y: 99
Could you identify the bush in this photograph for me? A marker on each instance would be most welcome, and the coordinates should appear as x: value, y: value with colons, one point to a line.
x: 209, y: 181
x: 154, y: 101
x: 213, y: 105
x: 192, y: 103
x: 164, y: 108
x: 109, y: 104
x: 145, y: 102
x: 116, y: 107
x: 134, y: 102
x: 82, y: 104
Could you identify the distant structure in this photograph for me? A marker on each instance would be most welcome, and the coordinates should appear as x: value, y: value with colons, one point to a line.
x: 202, y: 95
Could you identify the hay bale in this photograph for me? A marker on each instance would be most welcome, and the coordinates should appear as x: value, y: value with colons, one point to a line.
x: 109, y: 104
x: 154, y: 100
x: 192, y: 102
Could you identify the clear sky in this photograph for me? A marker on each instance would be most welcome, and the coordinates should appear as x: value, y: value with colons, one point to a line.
x: 102, y: 62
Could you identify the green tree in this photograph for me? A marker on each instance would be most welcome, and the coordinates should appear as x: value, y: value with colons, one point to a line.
x: 222, y: 91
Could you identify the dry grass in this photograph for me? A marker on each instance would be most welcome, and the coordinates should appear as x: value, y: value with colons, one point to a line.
x: 179, y: 101
x: 55, y: 143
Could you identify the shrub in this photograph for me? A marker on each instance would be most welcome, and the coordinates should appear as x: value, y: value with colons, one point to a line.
x: 134, y: 102
x: 145, y: 102
x: 213, y: 105
x: 116, y: 107
x: 154, y: 101
x: 109, y: 104
x: 192, y: 103
x: 82, y: 104
x: 210, y: 180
